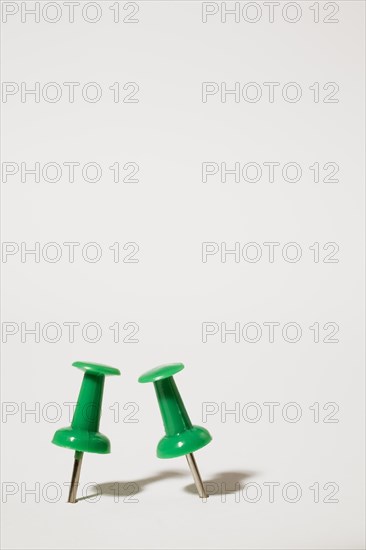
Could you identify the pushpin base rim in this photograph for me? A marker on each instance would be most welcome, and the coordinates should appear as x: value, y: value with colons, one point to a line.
x: 183, y: 443
x: 82, y: 440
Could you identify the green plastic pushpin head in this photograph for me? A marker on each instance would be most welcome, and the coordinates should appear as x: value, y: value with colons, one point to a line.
x: 83, y: 435
x: 182, y: 438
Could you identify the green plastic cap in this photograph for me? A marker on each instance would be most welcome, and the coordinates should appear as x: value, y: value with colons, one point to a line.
x: 181, y: 436
x: 164, y: 371
x: 96, y: 368
x: 83, y: 434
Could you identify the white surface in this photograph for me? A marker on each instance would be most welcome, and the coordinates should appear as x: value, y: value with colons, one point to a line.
x: 170, y: 292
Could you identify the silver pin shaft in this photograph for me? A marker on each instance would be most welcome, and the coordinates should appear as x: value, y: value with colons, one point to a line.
x: 75, y: 476
x: 196, y: 475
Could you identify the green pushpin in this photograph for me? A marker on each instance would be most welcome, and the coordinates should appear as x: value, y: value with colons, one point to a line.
x: 182, y: 438
x: 83, y: 435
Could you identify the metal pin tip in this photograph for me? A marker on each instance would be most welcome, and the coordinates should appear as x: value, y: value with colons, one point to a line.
x: 196, y: 476
x: 75, y: 477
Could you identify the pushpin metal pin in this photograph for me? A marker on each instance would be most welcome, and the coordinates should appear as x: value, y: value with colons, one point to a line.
x: 196, y: 475
x: 75, y: 476
x: 182, y: 438
x: 83, y: 435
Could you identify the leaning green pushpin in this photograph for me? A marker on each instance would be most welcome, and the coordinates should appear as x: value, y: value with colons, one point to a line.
x: 83, y: 435
x: 182, y: 438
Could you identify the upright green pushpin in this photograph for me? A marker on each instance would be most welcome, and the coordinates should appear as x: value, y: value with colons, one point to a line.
x: 182, y: 438
x: 83, y: 435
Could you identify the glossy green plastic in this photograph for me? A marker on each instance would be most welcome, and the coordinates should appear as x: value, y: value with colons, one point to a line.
x: 83, y: 434
x: 181, y: 436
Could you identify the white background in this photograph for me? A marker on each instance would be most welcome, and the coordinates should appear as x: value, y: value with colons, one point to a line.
x: 170, y: 292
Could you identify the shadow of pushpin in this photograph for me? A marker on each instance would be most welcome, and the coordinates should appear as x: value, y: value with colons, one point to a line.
x: 182, y: 438
x: 83, y: 435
